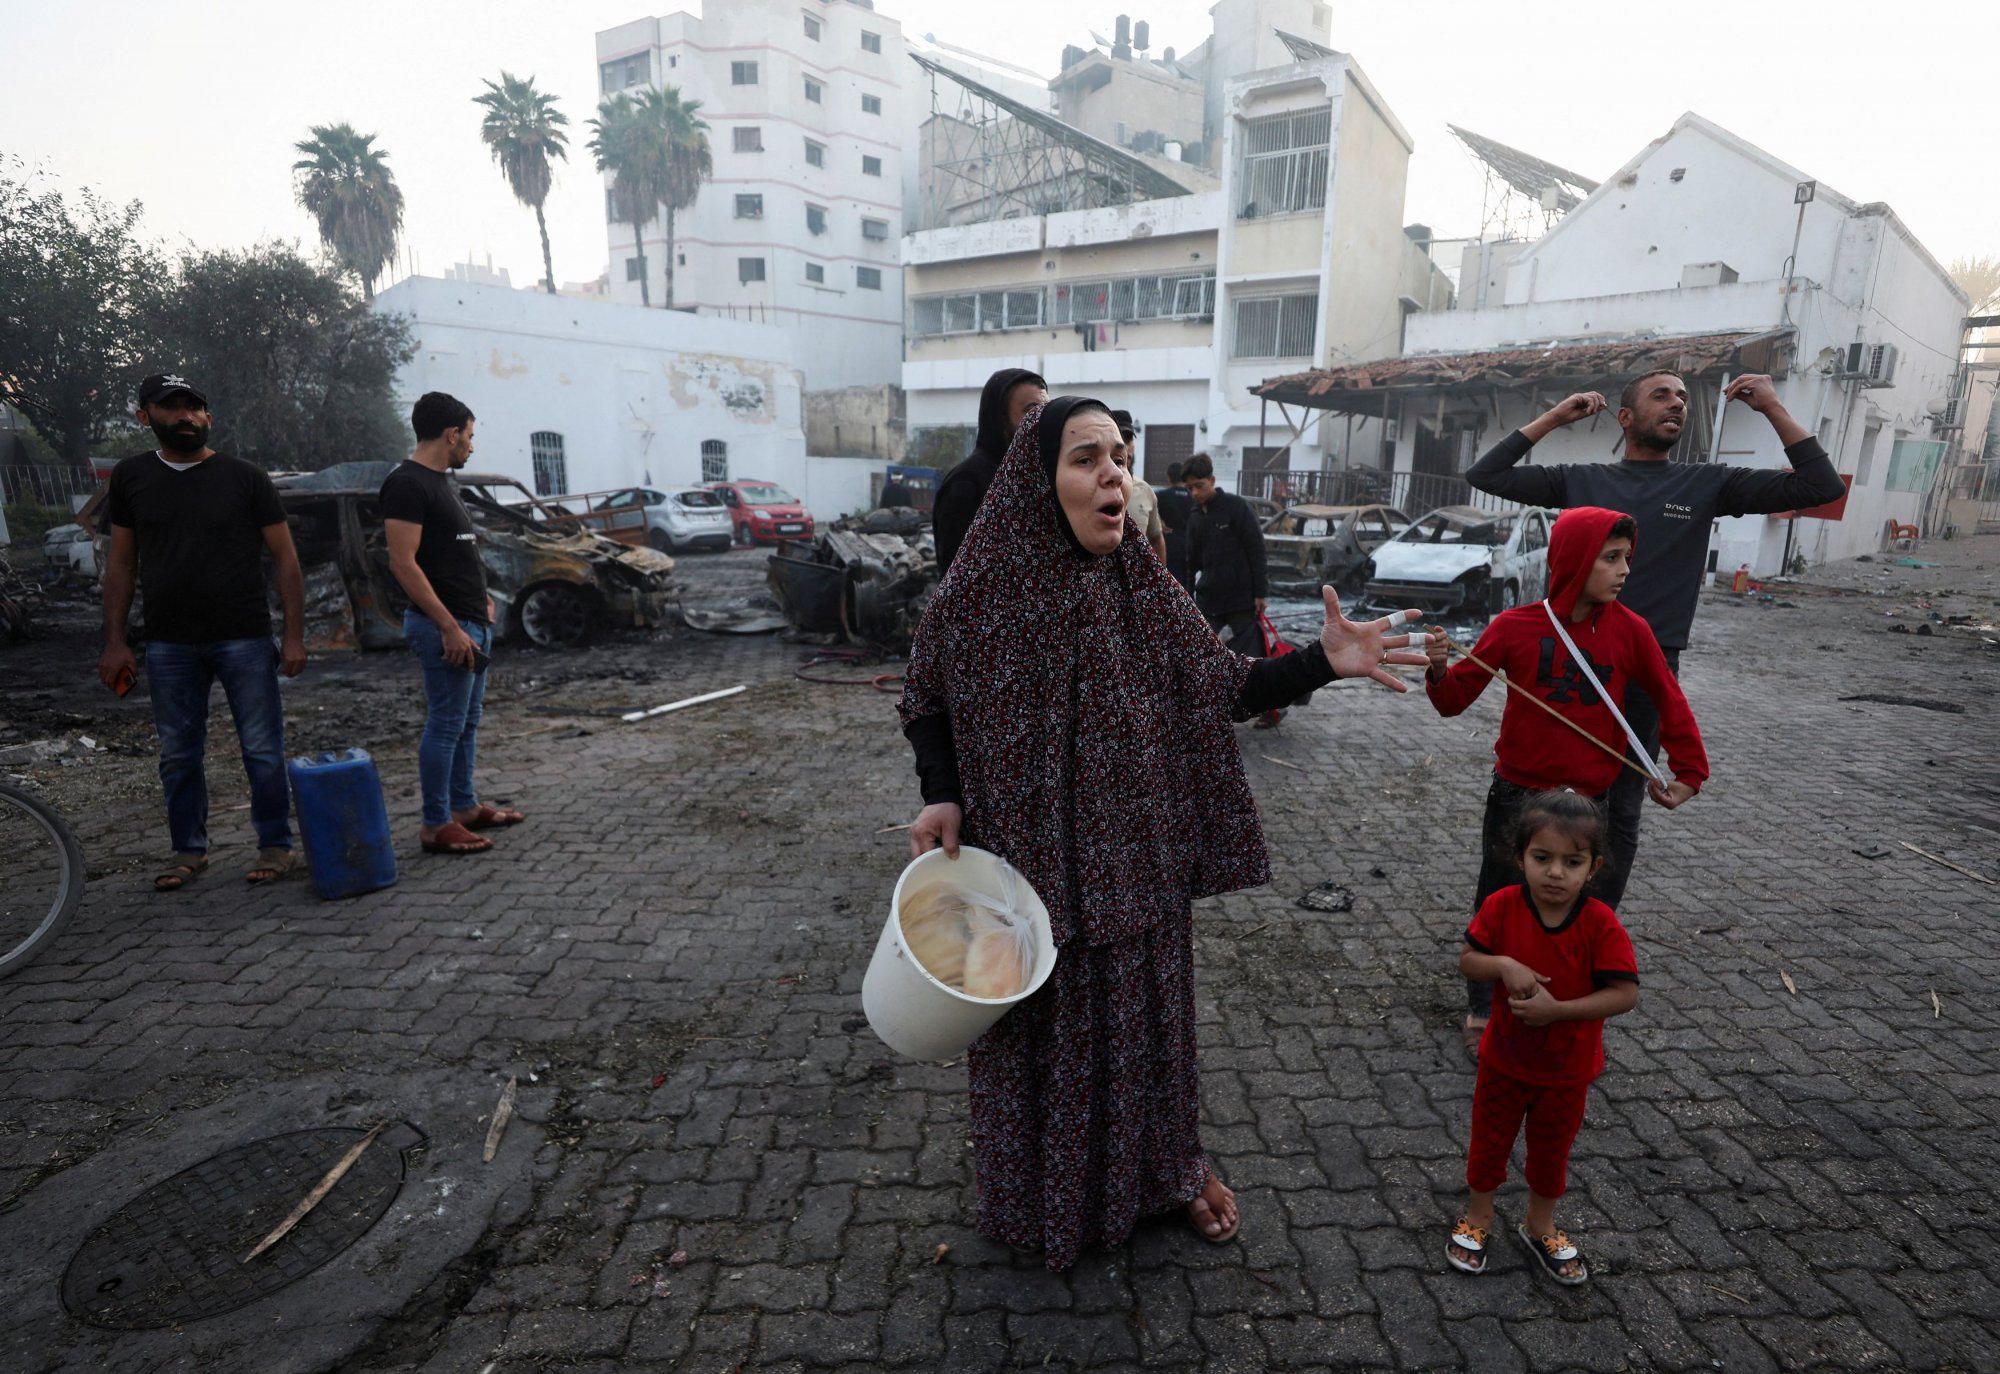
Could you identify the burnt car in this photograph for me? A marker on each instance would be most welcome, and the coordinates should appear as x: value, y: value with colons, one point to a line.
x: 1307, y: 547
x: 550, y: 584
x: 1464, y: 559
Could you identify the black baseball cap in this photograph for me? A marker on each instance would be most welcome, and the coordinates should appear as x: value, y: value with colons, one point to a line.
x: 1123, y: 419
x: 164, y: 384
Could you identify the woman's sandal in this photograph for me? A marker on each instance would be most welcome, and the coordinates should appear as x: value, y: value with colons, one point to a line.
x: 184, y: 870
x: 1466, y: 1250
x: 271, y: 865
x: 456, y: 839
x: 493, y: 818
x: 1556, y: 1254
x: 1222, y: 1237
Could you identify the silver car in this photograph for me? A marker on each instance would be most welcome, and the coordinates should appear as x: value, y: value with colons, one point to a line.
x: 683, y: 518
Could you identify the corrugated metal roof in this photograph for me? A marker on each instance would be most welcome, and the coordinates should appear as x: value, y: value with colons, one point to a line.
x: 1360, y: 387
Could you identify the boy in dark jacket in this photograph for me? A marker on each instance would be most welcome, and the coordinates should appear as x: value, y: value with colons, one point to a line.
x: 1573, y: 651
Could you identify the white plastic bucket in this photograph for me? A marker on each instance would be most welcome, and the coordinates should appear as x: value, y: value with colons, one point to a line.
x: 914, y: 1013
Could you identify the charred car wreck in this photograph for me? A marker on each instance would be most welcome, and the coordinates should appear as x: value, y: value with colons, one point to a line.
x: 864, y: 579
x: 551, y: 585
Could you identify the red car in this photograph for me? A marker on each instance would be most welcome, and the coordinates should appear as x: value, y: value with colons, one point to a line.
x: 763, y: 512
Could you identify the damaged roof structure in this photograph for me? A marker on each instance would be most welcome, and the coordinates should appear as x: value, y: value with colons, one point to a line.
x: 1550, y: 369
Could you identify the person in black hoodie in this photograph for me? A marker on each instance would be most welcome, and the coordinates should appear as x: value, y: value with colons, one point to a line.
x: 1225, y: 558
x: 1176, y: 509
x: 1008, y: 396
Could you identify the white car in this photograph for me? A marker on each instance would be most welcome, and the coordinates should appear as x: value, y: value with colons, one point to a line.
x: 1461, y: 558
x: 69, y: 547
x: 683, y: 518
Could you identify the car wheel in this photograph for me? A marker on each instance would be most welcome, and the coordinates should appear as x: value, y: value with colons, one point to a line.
x: 555, y: 615
x: 1354, y: 584
x: 1506, y: 597
x: 660, y: 540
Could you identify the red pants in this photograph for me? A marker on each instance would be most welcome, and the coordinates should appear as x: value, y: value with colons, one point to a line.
x: 1554, y: 1115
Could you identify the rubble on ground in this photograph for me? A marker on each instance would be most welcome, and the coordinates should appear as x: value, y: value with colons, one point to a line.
x: 863, y: 580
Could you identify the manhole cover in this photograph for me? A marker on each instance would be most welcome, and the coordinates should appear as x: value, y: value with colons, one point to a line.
x: 175, y: 1253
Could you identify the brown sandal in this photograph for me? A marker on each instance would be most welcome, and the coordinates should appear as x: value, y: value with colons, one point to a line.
x: 271, y: 865
x: 493, y: 818
x: 456, y: 839
x: 184, y: 870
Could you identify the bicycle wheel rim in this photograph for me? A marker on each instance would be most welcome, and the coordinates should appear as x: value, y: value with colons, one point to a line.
x: 24, y: 817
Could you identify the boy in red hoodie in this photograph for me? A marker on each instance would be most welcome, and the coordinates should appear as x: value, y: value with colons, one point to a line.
x: 1590, y: 555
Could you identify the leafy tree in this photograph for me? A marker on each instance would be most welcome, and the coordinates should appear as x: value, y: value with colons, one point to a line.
x: 524, y: 130
x: 298, y: 370
x: 344, y: 182
x: 76, y: 283
x: 637, y: 161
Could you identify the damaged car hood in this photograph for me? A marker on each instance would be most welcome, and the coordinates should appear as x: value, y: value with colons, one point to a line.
x: 1401, y: 562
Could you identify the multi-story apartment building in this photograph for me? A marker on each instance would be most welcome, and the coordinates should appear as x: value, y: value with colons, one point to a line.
x: 1174, y: 307
x: 798, y: 225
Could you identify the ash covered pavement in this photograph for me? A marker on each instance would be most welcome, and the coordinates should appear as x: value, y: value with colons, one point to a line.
x: 714, y: 1164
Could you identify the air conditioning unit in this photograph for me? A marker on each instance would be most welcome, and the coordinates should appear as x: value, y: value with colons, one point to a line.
x: 1873, y: 365
x: 1951, y: 417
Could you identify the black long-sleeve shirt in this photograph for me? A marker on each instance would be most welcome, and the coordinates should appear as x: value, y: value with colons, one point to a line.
x: 1673, y: 505
x: 1226, y: 555
x: 1273, y: 682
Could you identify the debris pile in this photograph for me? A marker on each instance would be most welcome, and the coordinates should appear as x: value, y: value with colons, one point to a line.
x: 863, y: 580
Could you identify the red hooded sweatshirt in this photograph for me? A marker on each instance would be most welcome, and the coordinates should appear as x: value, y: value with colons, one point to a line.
x: 1534, y: 749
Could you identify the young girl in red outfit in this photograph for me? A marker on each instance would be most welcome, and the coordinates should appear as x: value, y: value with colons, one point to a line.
x: 1567, y: 965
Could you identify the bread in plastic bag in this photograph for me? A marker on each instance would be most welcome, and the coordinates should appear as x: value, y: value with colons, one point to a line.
x: 975, y: 944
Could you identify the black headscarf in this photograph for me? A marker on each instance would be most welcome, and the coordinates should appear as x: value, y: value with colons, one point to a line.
x: 961, y: 490
x: 1090, y: 711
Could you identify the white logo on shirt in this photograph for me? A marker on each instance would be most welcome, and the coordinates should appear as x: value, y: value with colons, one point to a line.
x: 1675, y: 512
x: 467, y: 536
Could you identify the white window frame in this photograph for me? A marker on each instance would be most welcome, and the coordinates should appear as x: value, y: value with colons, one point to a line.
x: 814, y: 91
x: 1287, y: 162
x: 1274, y: 326
x: 747, y: 138
x: 816, y: 274
x: 815, y: 154
x: 743, y: 266
x: 871, y: 100
x: 551, y: 468
x: 812, y: 26
x: 875, y: 230
x: 871, y: 41
x: 862, y: 277
x: 867, y: 170
x: 743, y: 73
x: 750, y: 205
x: 714, y: 461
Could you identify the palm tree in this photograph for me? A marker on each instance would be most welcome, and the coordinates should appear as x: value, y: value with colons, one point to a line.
x: 345, y: 183
x: 637, y: 161
x: 524, y: 129
x: 656, y: 148
x: 688, y: 160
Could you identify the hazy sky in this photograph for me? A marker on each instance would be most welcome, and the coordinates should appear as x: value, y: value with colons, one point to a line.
x: 192, y: 106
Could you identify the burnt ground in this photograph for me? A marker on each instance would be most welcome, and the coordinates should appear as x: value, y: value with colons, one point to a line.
x: 668, y: 957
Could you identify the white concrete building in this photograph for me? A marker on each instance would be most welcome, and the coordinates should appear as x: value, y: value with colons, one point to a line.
x: 1174, y: 307
x: 798, y: 225
x: 575, y: 395
x: 1701, y: 254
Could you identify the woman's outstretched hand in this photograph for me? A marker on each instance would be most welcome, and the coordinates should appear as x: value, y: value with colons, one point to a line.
x: 1362, y: 648
x: 936, y: 825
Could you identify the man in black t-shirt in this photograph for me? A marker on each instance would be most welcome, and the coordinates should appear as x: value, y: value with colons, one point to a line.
x: 434, y: 554
x: 192, y: 527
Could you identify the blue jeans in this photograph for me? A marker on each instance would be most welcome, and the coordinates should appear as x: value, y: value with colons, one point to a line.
x: 456, y: 697
x: 180, y: 676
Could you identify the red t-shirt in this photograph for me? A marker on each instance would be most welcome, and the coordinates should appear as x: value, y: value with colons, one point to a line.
x: 1588, y: 950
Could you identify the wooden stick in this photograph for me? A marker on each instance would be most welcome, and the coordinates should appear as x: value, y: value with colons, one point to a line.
x: 501, y: 1113
x: 313, y: 1199
x: 1946, y: 862
x: 1514, y: 686
x: 1282, y: 763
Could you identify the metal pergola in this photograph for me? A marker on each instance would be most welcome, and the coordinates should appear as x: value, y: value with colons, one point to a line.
x: 987, y: 156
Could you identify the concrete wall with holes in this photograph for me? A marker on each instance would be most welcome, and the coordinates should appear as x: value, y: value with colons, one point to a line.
x: 634, y: 393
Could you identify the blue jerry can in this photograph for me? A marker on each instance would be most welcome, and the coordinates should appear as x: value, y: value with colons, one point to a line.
x: 344, y: 822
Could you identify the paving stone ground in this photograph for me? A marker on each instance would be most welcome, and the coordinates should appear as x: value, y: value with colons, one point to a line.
x: 669, y: 956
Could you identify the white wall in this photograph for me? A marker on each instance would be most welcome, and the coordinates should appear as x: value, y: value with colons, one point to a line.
x: 633, y: 392
x: 1611, y: 270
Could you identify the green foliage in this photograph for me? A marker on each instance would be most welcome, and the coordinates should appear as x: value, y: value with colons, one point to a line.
x: 344, y: 182
x: 656, y: 148
x: 940, y: 446
x: 27, y: 521
x: 524, y: 130
x: 76, y: 285
x: 299, y: 372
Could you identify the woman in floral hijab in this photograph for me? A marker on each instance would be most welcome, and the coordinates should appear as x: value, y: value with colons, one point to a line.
x: 1071, y: 711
